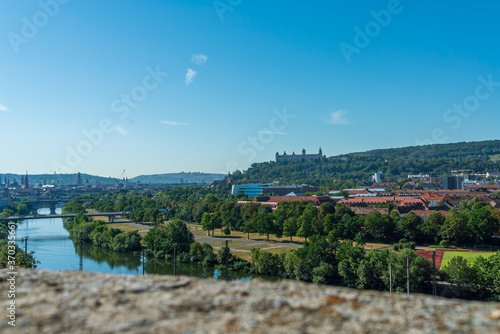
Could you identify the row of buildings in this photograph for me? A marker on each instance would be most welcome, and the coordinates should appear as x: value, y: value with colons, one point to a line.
x: 364, y: 201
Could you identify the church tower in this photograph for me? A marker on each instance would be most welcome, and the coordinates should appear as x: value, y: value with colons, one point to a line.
x: 26, y: 181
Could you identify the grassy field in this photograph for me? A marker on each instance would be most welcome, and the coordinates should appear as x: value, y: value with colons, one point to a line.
x: 196, y: 230
x: 232, y: 243
x: 469, y: 256
x: 124, y: 227
x: 495, y: 157
x: 239, y: 243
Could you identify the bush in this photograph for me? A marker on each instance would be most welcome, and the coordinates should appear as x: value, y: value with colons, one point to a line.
x: 444, y: 244
x: 404, y: 244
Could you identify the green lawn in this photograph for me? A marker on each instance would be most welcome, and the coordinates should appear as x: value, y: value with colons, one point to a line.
x: 469, y: 256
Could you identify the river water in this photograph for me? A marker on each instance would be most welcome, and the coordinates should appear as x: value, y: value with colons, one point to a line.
x: 56, y: 251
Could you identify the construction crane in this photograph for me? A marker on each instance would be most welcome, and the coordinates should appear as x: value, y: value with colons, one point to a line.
x: 122, y: 173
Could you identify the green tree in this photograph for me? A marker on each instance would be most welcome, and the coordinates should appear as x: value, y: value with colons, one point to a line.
x: 460, y: 272
x: 349, y: 257
x: 371, y: 270
x: 307, y: 222
x: 263, y: 221
x: 420, y: 271
x: 210, y: 222
x: 431, y: 227
x: 326, y: 209
x: 248, y: 227
x: 481, y: 224
x: 161, y: 240
x: 266, y: 262
x: 290, y: 228
x: 323, y: 273
x: 409, y: 226
x: 455, y: 230
x: 296, y: 267
x: 377, y: 225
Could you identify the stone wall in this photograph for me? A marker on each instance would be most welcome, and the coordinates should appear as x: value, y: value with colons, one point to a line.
x: 82, y: 302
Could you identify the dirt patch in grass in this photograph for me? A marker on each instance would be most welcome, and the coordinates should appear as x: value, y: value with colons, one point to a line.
x: 196, y: 232
x: 124, y: 227
x: 370, y: 246
x: 495, y: 157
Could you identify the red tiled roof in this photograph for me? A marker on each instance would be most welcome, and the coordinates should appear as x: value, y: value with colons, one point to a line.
x: 483, y: 186
x: 316, y: 200
x: 399, y: 200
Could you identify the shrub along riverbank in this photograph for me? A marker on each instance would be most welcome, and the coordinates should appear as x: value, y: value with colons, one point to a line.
x: 97, y: 233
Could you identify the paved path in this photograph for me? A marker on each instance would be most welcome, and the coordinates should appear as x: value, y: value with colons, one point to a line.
x: 209, y: 239
x: 247, y: 242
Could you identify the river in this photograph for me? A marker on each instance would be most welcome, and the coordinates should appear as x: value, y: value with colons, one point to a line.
x: 56, y: 251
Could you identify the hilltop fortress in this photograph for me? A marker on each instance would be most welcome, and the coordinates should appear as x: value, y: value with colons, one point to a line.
x: 298, y: 157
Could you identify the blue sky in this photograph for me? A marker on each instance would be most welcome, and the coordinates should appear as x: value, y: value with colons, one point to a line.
x: 202, y: 85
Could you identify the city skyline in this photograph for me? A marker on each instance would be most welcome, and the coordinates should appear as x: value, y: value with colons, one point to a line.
x: 213, y: 86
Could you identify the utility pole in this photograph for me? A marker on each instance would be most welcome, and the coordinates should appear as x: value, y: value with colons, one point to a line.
x: 81, y: 254
x: 175, y: 269
x: 143, y: 262
x: 434, y: 283
x: 390, y: 279
x: 25, y: 239
x: 408, y: 275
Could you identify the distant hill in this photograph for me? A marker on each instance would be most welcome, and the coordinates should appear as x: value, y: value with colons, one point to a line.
x: 480, y: 149
x: 69, y: 179
x: 350, y: 169
x: 178, y: 178
x: 59, y: 179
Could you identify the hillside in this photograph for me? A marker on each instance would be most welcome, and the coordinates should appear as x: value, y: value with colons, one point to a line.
x: 349, y: 169
x: 178, y: 178
x: 481, y: 149
x: 68, y: 179
x: 58, y: 179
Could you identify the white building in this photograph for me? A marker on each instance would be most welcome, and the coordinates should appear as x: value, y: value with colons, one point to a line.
x: 377, y: 177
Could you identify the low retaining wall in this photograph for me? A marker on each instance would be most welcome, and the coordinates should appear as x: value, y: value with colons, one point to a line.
x: 83, y: 302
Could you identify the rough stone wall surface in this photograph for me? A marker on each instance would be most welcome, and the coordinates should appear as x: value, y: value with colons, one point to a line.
x: 82, y: 302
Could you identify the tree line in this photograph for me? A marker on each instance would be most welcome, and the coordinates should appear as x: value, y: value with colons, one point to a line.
x: 96, y: 232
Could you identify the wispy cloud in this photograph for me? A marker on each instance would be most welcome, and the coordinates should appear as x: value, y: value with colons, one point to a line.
x: 338, y: 118
x: 120, y: 129
x: 3, y: 108
x: 173, y: 123
x: 190, y: 75
x: 269, y: 132
x: 199, y: 59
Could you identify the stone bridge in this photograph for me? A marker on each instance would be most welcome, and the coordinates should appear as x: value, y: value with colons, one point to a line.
x: 36, y: 204
x: 111, y: 216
